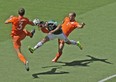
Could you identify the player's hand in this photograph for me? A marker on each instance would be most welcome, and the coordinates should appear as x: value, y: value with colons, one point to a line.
x: 7, y: 21
x: 83, y: 24
x: 11, y: 16
x: 51, y: 32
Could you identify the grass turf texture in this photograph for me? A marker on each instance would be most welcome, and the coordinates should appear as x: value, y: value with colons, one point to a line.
x: 89, y: 65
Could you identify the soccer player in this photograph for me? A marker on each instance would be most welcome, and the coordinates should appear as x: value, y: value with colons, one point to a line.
x: 68, y: 25
x: 19, y: 32
x: 55, y: 31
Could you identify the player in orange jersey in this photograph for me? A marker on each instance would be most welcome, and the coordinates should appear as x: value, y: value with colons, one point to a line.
x: 19, y: 32
x: 69, y: 24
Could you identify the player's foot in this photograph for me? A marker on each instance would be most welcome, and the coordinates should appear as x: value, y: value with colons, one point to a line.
x: 32, y: 32
x: 54, y: 60
x: 79, y: 45
x: 27, y: 65
x: 31, y: 49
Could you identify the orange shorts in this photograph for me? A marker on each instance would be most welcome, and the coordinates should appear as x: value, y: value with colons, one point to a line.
x: 18, y: 38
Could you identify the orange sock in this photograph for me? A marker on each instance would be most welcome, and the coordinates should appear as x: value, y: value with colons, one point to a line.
x: 22, y: 58
x: 57, y: 56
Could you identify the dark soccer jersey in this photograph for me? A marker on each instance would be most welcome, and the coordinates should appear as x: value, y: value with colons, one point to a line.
x: 52, y: 25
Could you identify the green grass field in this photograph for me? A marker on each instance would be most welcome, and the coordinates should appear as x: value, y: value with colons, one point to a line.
x: 94, y: 63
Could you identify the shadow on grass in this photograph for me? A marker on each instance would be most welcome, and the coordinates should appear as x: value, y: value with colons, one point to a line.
x: 84, y: 63
x: 51, y: 72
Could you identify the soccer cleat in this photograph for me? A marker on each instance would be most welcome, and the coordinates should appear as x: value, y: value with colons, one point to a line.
x: 79, y: 45
x: 31, y: 49
x: 32, y: 32
x: 27, y: 65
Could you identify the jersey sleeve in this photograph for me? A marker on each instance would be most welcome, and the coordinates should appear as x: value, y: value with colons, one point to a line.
x: 76, y: 24
x: 29, y: 21
x: 10, y: 20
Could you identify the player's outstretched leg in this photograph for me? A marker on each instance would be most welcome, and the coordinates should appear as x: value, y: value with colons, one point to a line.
x: 76, y: 43
x: 39, y: 44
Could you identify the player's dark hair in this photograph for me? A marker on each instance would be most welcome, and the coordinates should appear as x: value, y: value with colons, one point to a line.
x: 21, y: 11
x: 42, y: 22
x: 74, y: 14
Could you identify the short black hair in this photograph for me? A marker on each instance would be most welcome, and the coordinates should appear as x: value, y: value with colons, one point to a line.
x: 42, y: 22
x: 73, y: 14
x: 21, y: 11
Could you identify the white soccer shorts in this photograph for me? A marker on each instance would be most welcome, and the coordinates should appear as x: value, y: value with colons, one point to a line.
x: 59, y: 36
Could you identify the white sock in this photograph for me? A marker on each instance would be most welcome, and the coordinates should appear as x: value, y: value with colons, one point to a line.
x: 39, y: 44
x: 73, y: 42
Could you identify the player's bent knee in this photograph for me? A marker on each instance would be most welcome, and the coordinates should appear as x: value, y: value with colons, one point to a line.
x: 68, y: 43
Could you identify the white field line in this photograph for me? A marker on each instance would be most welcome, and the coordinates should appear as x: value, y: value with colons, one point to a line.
x: 105, y: 79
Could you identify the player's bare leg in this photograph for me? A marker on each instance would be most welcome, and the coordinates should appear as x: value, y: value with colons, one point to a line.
x: 60, y: 49
x: 61, y: 46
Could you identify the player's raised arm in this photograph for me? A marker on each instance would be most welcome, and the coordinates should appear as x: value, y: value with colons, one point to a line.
x: 56, y: 29
x: 31, y: 23
x: 81, y: 25
x: 9, y: 20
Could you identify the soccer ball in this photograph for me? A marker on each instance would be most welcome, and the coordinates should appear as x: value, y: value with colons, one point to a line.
x: 36, y: 21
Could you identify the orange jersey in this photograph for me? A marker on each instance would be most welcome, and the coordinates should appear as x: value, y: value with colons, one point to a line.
x: 68, y: 26
x: 18, y: 24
